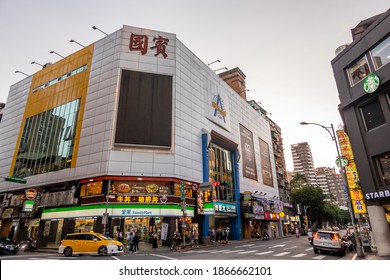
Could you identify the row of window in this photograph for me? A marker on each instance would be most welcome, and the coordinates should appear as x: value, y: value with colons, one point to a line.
x: 380, y: 55
x: 63, y: 77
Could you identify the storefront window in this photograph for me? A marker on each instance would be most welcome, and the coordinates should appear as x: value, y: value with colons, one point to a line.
x: 358, y: 71
x: 90, y: 189
x: 381, y: 53
x: 383, y: 163
x: 84, y: 225
x: 221, y: 173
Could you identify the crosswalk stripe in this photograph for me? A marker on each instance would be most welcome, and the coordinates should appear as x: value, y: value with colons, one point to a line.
x: 248, y: 252
x: 217, y: 251
x: 195, y: 251
x: 281, y: 254
x: 246, y: 245
x: 309, y: 249
x: 264, y: 253
x: 319, y: 257
x: 299, y: 255
x: 233, y: 251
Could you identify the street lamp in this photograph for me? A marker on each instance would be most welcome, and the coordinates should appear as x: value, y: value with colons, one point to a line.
x: 359, y: 247
x: 74, y: 41
x: 304, y: 210
x: 215, y: 61
x: 95, y: 28
x: 223, y: 68
x: 20, y: 72
x: 34, y: 62
x: 56, y: 53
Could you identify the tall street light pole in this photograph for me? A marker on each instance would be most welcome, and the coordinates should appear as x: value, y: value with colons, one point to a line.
x: 359, y: 247
x: 305, y: 211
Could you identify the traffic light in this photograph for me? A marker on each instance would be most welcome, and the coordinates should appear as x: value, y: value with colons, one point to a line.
x: 15, y: 180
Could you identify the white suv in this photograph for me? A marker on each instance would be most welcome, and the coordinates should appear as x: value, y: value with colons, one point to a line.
x: 330, y: 241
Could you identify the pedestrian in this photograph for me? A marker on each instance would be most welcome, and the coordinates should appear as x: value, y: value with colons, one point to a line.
x: 265, y: 234
x: 120, y: 235
x: 192, y: 236
x: 176, y: 240
x: 297, y: 232
x: 135, y: 243
x: 196, y: 238
x: 154, y: 240
x: 223, y: 236
x: 130, y: 241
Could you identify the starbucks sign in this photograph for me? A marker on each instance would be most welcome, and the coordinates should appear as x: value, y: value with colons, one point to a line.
x: 371, y: 83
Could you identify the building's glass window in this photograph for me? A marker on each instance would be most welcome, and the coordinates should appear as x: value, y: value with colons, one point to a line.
x: 372, y: 114
x: 221, y: 171
x: 63, y: 77
x: 383, y: 165
x: 381, y: 53
x: 358, y: 71
x: 47, y: 141
x: 91, y: 189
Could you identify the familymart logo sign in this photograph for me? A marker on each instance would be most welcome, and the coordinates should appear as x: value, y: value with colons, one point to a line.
x: 371, y: 83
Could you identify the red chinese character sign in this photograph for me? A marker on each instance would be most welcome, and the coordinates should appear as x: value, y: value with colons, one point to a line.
x: 141, y: 42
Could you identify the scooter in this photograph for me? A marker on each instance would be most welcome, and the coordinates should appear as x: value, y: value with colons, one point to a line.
x: 28, y: 245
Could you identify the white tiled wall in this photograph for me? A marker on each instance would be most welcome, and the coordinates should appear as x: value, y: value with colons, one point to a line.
x: 192, y: 83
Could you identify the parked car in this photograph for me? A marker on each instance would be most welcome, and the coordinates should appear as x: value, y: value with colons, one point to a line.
x: 89, y: 243
x: 8, y: 246
x: 329, y: 241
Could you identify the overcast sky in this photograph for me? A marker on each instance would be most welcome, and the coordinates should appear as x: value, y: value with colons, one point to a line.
x: 284, y: 47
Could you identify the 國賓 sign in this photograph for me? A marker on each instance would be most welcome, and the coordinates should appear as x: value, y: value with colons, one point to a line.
x: 141, y: 43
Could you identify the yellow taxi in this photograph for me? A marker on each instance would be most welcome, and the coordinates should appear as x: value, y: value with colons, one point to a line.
x: 89, y: 243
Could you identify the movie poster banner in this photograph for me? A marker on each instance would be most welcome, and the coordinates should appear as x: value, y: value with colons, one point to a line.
x: 248, y: 154
x: 265, y: 158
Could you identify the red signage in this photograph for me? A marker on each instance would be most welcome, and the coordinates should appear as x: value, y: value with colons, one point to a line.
x: 271, y: 216
x: 30, y: 194
x: 140, y: 43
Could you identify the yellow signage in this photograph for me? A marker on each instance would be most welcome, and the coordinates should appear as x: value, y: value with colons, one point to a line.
x: 359, y: 207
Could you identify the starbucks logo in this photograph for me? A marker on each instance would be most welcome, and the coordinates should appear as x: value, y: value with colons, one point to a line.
x: 371, y: 83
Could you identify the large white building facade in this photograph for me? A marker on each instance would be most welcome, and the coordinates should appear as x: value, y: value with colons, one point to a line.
x: 138, y: 116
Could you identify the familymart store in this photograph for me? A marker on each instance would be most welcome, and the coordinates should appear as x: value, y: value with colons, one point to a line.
x: 143, y: 218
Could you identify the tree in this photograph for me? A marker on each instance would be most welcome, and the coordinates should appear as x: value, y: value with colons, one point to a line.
x: 313, y: 198
x: 298, y: 181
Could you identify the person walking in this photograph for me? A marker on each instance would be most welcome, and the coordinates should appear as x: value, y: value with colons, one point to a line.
x: 176, y: 240
x: 196, y: 238
x: 135, y: 243
x: 130, y: 241
x: 154, y: 240
x: 120, y: 235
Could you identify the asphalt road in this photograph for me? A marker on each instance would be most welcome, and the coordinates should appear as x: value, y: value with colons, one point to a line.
x: 290, y: 248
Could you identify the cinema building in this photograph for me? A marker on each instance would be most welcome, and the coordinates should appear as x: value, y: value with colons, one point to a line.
x: 132, y: 131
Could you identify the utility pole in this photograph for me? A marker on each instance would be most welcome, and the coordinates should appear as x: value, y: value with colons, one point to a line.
x: 359, y: 247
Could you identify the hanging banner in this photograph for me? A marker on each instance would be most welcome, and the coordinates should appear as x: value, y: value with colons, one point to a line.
x: 359, y: 207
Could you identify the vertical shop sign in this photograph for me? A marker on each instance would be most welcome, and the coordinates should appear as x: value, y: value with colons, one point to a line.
x: 359, y: 207
x: 164, y: 231
x: 248, y: 153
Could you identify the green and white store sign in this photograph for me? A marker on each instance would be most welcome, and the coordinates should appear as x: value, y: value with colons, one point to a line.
x: 117, y: 210
x: 371, y: 83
